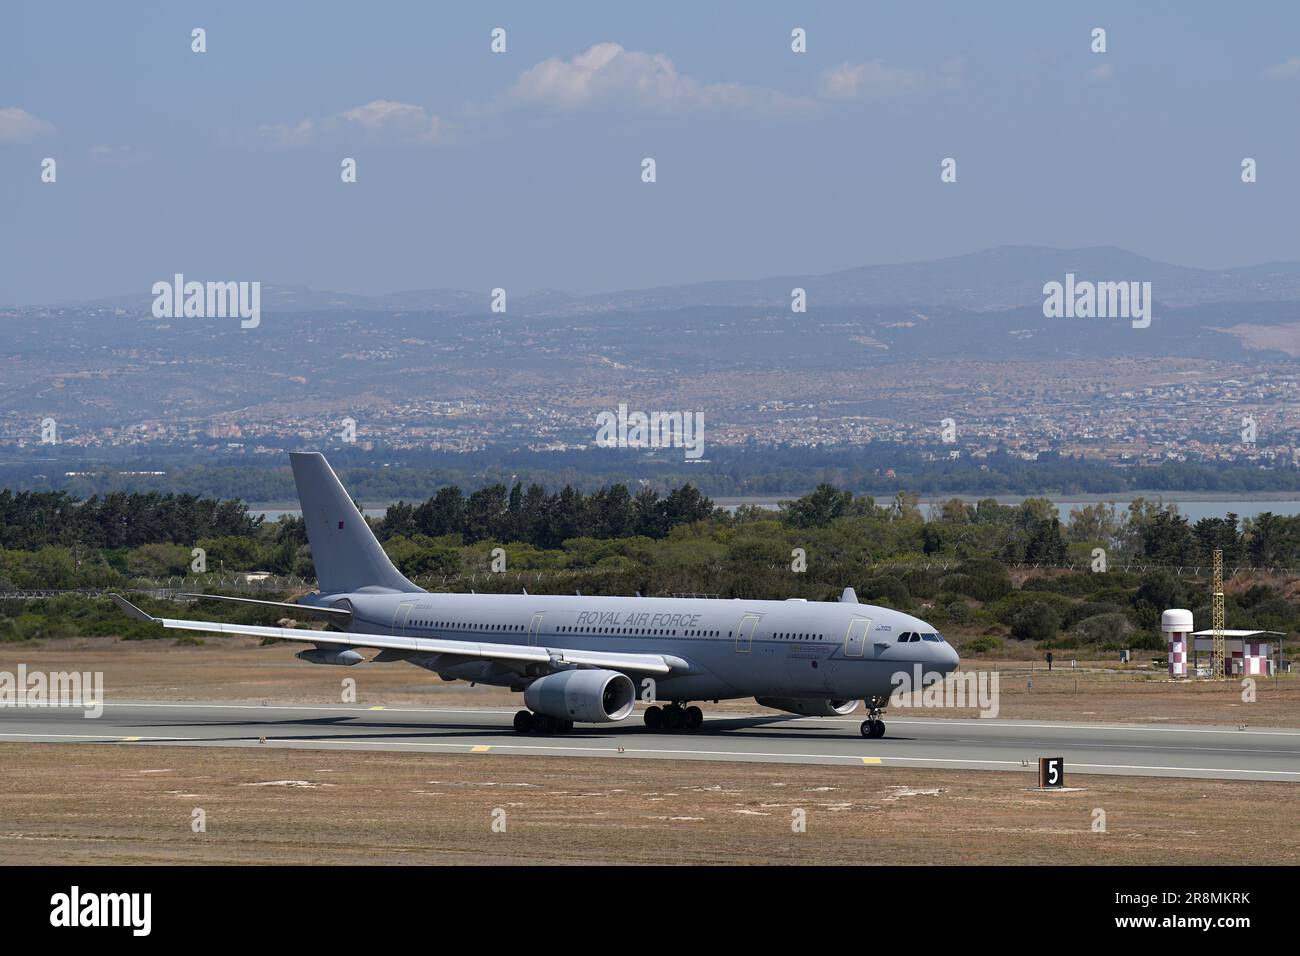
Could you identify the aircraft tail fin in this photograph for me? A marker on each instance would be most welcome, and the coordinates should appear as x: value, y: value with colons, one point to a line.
x: 343, y: 548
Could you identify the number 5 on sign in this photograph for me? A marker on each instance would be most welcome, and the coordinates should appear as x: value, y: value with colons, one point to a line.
x: 1051, y: 772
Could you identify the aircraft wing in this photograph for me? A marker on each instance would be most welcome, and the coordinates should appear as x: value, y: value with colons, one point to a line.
x: 337, y: 614
x: 524, y: 653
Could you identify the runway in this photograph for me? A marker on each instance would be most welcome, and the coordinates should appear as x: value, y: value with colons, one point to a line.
x: 976, y: 744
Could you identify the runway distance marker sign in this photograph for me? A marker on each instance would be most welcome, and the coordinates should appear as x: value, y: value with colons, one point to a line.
x: 1051, y: 772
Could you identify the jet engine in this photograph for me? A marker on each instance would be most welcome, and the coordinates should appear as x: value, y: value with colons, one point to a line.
x: 586, y: 696
x: 810, y: 706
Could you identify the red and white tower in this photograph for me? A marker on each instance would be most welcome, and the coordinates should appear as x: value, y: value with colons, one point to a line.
x: 1177, y: 625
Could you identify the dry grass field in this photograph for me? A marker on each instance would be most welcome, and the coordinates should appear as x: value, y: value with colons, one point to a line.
x: 134, y: 804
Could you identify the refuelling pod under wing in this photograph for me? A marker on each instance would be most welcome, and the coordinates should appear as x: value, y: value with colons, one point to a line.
x: 344, y: 656
x: 810, y: 707
x: 586, y: 696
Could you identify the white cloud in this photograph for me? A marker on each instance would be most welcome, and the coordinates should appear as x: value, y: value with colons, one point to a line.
x: 876, y: 81
x: 19, y: 126
x: 608, y: 75
x: 404, y: 119
x: 288, y: 135
x: 1101, y: 73
x: 1288, y: 69
x: 379, y: 120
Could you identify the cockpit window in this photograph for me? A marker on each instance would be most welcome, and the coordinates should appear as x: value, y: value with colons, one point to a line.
x: 904, y: 637
x: 932, y: 637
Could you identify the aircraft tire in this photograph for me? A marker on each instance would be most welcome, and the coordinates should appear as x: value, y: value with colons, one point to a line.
x: 653, y: 717
x: 872, y: 728
x: 524, y: 722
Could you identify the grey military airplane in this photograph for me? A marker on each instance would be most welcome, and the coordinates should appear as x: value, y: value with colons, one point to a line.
x: 580, y: 659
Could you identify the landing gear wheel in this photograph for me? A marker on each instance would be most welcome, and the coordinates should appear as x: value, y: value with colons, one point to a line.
x: 564, y: 726
x: 694, y: 718
x: 873, y: 728
x: 674, y: 717
x: 543, y: 724
x: 524, y: 722
x: 654, y: 718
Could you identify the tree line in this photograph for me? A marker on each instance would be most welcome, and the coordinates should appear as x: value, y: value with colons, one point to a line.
x: 543, y: 519
x: 30, y: 520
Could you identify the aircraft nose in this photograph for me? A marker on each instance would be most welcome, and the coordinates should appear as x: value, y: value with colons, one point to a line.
x: 949, y: 661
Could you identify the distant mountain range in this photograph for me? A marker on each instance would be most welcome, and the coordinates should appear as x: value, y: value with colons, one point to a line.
x: 1007, y: 277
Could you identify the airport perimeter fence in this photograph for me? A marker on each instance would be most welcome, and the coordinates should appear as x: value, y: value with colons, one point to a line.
x: 1128, y: 566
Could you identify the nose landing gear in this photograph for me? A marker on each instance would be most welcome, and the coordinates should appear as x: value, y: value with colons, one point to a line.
x: 873, y: 727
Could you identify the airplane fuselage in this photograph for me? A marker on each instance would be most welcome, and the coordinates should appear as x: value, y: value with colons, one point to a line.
x: 732, y: 648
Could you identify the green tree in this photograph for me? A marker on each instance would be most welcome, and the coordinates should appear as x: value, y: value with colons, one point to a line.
x: 1035, y: 622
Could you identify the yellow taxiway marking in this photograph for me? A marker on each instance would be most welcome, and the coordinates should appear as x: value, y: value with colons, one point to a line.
x: 377, y: 708
x: 479, y: 749
x: 871, y: 760
x: 130, y: 738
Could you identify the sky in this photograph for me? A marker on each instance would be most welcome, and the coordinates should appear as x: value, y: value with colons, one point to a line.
x: 523, y: 169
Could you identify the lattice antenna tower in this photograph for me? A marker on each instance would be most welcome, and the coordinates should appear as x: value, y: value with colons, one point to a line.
x: 1217, y: 656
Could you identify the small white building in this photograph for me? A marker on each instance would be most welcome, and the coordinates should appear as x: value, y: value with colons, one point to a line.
x: 1245, y: 652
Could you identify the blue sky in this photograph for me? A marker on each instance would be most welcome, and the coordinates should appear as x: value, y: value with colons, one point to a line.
x: 523, y: 169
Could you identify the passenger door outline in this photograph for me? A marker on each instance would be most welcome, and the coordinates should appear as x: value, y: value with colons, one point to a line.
x: 534, y: 627
x: 745, y: 632
x: 400, y: 617
x: 855, y: 637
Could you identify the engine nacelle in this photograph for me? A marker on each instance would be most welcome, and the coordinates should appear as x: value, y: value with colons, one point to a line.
x: 587, y: 696
x: 810, y: 706
x: 344, y: 656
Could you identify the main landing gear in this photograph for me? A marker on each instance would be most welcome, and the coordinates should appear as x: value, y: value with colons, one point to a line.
x: 526, y: 722
x: 673, y: 717
x: 873, y: 727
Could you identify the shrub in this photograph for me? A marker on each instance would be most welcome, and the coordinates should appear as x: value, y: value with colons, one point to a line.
x: 890, y: 589
x: 958, y: 611
x: 1035, y: 622
x: 1109, y: 628
x: 1080, y: 612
